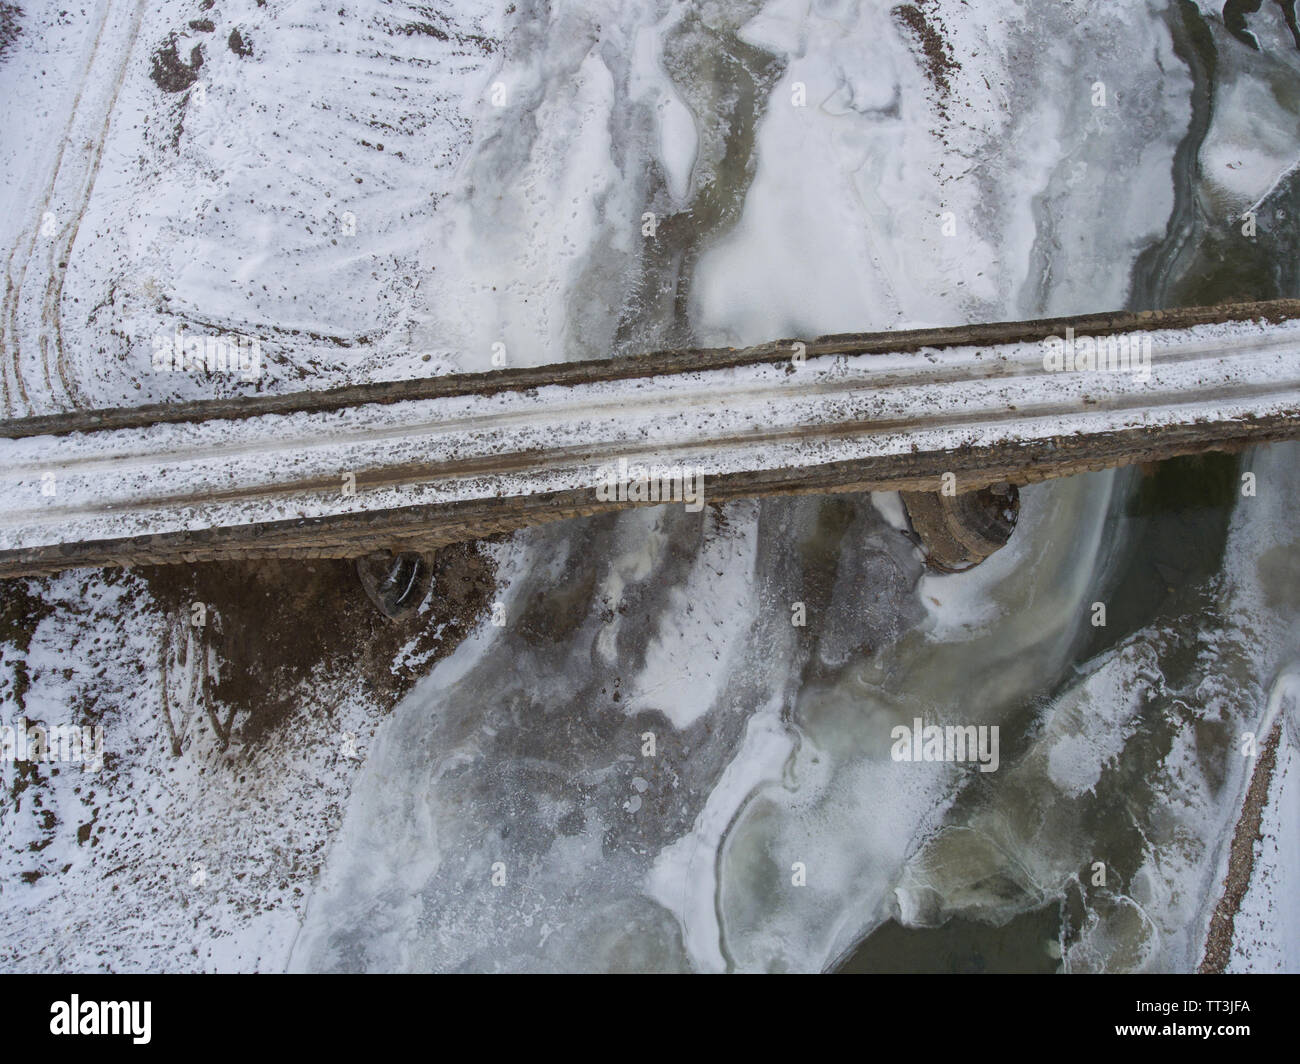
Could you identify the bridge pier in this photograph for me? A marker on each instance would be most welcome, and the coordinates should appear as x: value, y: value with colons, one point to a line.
x: 395, y: 584
x: 957, y: 532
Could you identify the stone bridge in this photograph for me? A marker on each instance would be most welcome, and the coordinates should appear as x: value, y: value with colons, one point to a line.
x: 405, y: 467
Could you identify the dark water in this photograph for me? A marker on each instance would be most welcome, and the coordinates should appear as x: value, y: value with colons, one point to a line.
x: 1169, y: 527
x: 962, y: 947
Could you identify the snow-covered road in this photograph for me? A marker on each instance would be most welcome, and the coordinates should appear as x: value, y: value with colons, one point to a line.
x: 831, y: 415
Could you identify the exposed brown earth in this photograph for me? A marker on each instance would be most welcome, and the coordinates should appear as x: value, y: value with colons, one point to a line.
x: 1241, y: 859
x: 170, y: 72
x: 279, y: 625
x: 10, y: 25
x: 274, y: 623
x: 922, y: 21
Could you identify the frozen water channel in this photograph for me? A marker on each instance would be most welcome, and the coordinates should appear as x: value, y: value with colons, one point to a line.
x: 648, y: 765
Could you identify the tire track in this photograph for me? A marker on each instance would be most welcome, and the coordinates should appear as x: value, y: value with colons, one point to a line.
x: 78, y: 169
x: 562, y: 458
x: 14, y: 286
x: 51, y: 310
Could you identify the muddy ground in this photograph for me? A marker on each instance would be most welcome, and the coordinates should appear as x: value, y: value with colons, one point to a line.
x: 275, y: 625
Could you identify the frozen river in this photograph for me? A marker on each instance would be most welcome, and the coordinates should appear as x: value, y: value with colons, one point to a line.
x: 649, y: 765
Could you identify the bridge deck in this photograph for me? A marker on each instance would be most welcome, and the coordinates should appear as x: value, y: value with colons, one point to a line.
x: 459, y: 457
